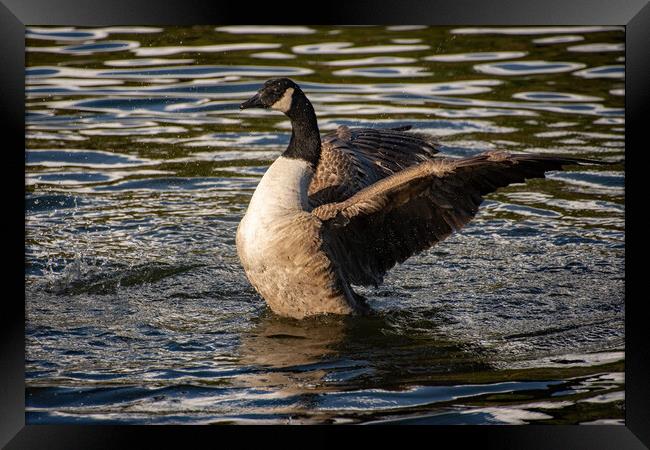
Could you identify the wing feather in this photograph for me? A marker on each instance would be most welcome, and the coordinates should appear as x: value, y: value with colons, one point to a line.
x: 413, y: 209
x: 355, y: 158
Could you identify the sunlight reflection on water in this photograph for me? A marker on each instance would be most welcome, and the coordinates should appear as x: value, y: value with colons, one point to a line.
x: 139, y: 166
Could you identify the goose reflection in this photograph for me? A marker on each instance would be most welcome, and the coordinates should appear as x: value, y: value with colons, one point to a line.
x: 278, y: 342
x: 332, y: 352
x: 292, y: 357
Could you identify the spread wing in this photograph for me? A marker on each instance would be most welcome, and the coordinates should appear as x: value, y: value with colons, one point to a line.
x: 412, y: 210
x: 355, y: 158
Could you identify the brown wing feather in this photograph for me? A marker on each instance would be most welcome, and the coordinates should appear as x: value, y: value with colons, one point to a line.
x: 355, y: 158
x: 410, y: 211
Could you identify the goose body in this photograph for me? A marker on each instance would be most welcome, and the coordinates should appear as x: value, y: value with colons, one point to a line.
x: 344, y: 209
x: 280, y: 245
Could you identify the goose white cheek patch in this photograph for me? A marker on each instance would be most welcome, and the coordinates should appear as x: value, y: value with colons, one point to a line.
x: 284, y: 104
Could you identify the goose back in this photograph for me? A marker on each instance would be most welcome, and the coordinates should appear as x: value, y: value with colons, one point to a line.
x: 355, y: 158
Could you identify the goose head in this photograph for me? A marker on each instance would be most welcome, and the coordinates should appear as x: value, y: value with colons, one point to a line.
x: 277, y: 93
x: 284, y: 95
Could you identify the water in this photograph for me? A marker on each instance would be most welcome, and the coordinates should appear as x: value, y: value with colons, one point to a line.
x: 140, y: 166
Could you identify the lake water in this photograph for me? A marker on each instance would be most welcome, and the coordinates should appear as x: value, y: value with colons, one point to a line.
x: 139, y: 166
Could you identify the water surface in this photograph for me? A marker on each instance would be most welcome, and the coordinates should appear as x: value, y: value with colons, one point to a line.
x: 139, y: 166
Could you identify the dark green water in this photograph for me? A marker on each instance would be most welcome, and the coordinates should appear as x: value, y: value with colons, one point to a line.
x: 140, y: 166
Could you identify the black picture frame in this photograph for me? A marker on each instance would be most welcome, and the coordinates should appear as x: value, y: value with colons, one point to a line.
x: 15, y: 14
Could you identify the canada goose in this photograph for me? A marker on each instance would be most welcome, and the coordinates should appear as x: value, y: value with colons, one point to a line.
x: 345, y: 208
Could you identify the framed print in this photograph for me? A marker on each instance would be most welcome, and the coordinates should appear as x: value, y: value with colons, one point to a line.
x: 408, y: 215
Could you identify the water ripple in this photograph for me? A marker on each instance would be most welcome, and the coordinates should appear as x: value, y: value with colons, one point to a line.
x: 347, y: 48
x: 527, y: 67
x: 141, y: 62
x: 555, y: 97
x: 370, y: 61
x: 216, y: 48
x: 481, y: 56
x: 273, y: 55
x: 376, y: 399
x: 602, y: 72
x: 81, y: 158
x: 384, y: 72
x: 88, y: 49
x: 265, y: 29
x: 601, y: 47
x: 558, y: 39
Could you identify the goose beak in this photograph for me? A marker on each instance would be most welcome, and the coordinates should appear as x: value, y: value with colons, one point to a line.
x: 253, y: 102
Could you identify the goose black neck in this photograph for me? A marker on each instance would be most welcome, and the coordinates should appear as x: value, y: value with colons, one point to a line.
x: 305, y: 138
